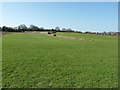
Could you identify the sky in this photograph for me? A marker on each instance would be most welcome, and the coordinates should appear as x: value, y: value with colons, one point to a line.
x: 79, y: 16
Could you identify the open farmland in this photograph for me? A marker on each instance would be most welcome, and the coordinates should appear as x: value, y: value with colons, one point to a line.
x: 0, y: 61
x: 41, y: 61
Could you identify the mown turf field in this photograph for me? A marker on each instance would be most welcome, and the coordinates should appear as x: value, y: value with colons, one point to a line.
x: 0, y: 61
x: 41, y: 61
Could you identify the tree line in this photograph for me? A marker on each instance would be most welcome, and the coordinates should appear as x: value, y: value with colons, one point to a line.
x: 23, y: 28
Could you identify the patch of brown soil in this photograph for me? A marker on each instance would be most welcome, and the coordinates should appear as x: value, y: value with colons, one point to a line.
x: 70, y: 37
x: 37, y: 32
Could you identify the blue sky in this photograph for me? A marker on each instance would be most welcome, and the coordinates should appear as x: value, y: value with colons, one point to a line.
x: 80, y: 16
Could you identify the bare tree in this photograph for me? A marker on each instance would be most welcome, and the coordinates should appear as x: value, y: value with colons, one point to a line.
x: 33, y: 27
x: 64, y: 29
x: 57, y: 28
x: 69, y: 30
x: 22, y: 26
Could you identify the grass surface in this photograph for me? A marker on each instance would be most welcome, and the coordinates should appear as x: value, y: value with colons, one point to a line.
x: 0, y: 62
x: 40, y: 61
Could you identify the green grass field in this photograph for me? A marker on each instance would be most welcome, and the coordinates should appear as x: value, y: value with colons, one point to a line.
x: 0, y: 61
x: 41, y: 61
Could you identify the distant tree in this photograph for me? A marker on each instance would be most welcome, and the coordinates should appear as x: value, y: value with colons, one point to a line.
x: 16, y: 29
x: 77, y: 31
x: 88, y: 32
x: 34, y: 28
x: 80, y: 32
x: 4, y: 28
x: 69, y: 30
x: 92, y: 32
x: 0, y: 28
x: 57, y: 28
x: 7, y: 29
x: 22, y: 27
x: 10, y: 29
x: 52, y: 29
x: 41, y: 28
x: 64, y: 29
x: 109, y: 33
x: 104, y: 33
